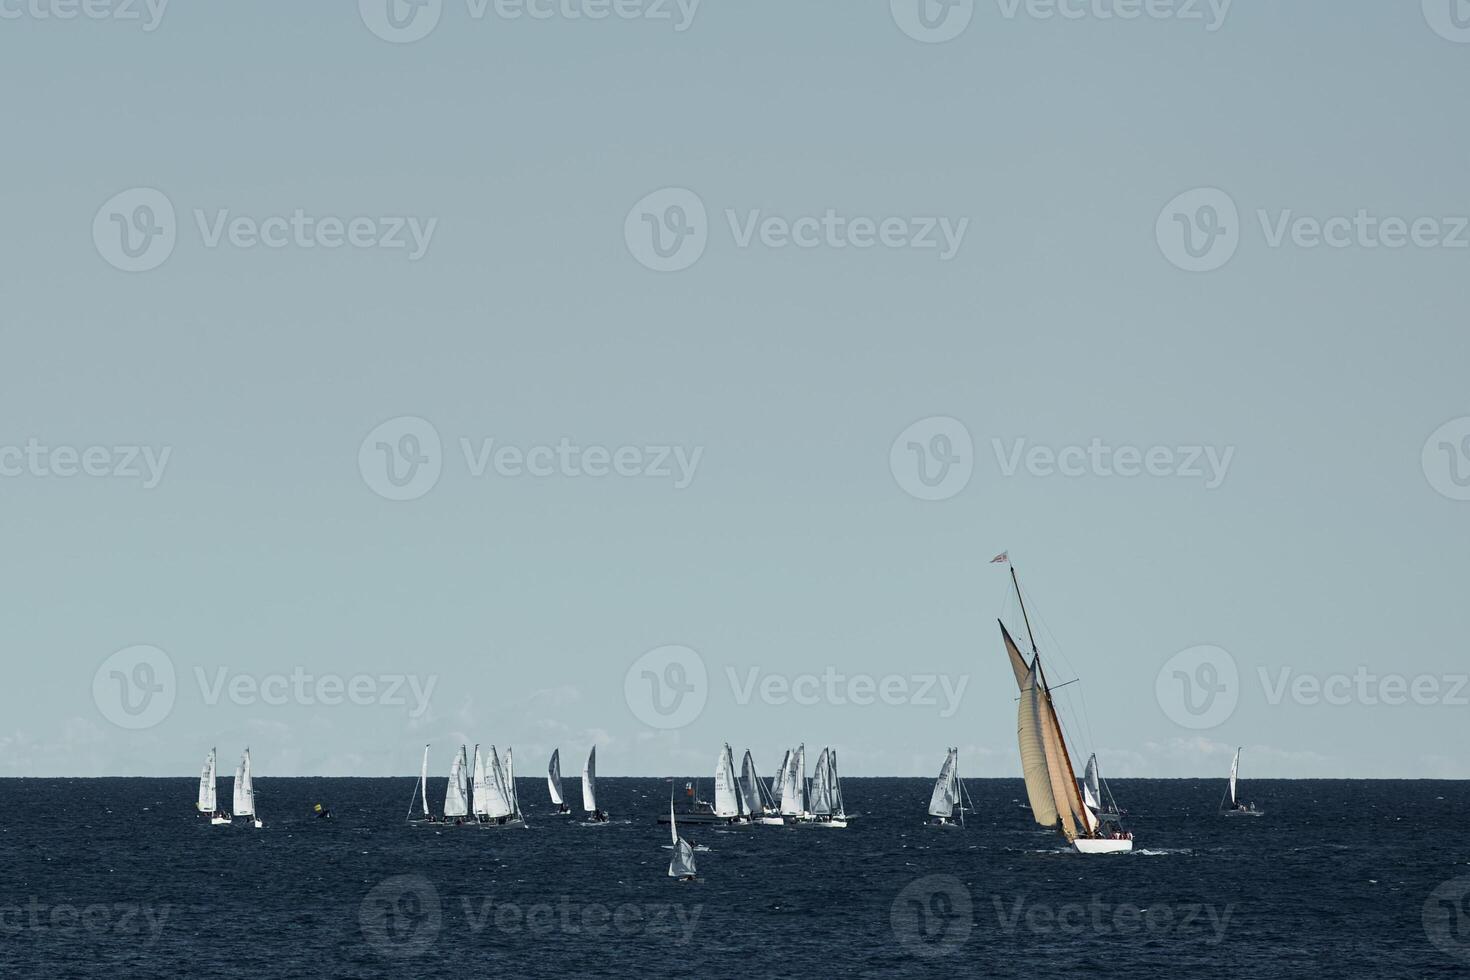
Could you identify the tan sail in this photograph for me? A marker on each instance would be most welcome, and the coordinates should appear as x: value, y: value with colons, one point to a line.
x: 1059, y: 767
x: 1033, y: 754
x: 1018, y: 661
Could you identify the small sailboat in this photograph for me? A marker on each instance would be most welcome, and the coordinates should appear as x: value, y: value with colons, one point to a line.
x: 1093, y: 792
x: 516, y: 817
x: 245, y: 792
x: 949, y: 794
x: 681, y: 865
x: 1230, y: 805
x: 553, y: 782
x: 209, y: 795
x: 763, y: 808
x: 589, y: 789
x: 457, y: 793
x: 826, y: 793
x: 730, y: 806
x: 778, y: 785
x: 421, y: 795
x: 1046, y: 762
x: 793, y: 786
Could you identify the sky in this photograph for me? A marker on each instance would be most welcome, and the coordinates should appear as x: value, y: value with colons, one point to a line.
x: 654, y: 376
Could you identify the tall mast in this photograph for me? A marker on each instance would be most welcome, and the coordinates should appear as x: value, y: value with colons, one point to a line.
x: 1017, y: 583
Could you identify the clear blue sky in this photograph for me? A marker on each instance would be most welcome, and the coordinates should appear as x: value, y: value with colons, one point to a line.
x: 528, y: 319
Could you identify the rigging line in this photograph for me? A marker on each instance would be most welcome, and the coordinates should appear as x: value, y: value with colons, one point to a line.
x: 1055, y: 645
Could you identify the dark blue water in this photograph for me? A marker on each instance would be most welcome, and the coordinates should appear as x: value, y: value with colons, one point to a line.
x: 118, y: 878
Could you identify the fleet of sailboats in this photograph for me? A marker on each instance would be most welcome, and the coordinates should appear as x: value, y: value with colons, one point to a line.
x: 1230, y: 805
x: 243, y: 793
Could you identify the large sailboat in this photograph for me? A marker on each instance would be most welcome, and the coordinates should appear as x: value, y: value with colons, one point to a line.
x: 245, y: 792
x: 595, y: 814
x: 1051, y: 782
x: 208, y: 802
x: 947, y: 802
x: 827, y: 809
x: 1230, y: 805
x: 553, y: 782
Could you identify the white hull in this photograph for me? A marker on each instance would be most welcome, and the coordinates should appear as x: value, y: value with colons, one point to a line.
x: 1242, y: 813
x: 771, y: 822
x: 834, y: 822
x: 218, y: 821
x: 1101, y: 845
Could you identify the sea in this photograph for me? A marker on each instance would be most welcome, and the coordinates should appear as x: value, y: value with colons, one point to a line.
x: 120, y: 878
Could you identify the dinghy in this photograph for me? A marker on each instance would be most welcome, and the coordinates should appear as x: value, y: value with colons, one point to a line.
x: 681, y: 865
x: 826, y: 793
x: 208, y: 794
x: 421, y: 796
x: 553, y: 782
x: 245, y: 792
x: 949, y: 794
x: 763, y: 809
x: 456, y: 794
x: 589, y: 789
x: 1046, y: 762
x: 1230, y: 805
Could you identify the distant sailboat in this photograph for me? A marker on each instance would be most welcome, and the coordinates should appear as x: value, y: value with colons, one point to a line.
x: 826, y: 794
x: 456, y: 794
x: 1093, y: 792
x: 793, y: 786
x: 681, y: 865
x: 421, y: 795
x: 245, y: 792
x: 1231, y: 806
x: 508, y: 781
x: 1051, y: 782
x: 589, y: 789
x: 763, y: 809
x: 778, y: 784
x: 553, y: 782
x: 949, y: 793
x: 730, y: 805
x: 209, y: 795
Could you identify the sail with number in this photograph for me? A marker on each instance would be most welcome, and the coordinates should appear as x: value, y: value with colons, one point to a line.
x: 821, y: 800
x: 492, y: 799
x: 589, y: 782
x: 553, y: 777
x: 727, y: 791
x: 208, y: 802
x: 244, y: 788
x: 456, y: 795
x: 946, y: 788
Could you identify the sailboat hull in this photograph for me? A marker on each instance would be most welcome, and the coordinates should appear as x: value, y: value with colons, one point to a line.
x: 218, y: 821
x: 1101, y: 845
x: 1242, y: 813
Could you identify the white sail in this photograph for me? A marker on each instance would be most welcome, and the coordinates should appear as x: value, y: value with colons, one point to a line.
x: 480, y: 785
x: 1091, y: 791
x: 778, y: 782
x: 681, y: 865
x: 424, y: 782
x: 791, y: 799
x: 207, y: 797
x: 727, y: 794
x: 244, y: 788
x: 946, y: 788
x: 589, y: 782
x: 493, y: 800
x: 553, y: 777
x: 800, y: 768
x: 758, y: 798
x: 510, y: 782
x: 1234, y: 769
x: 839, y: 808
x: 456, y: 795
x: 821, y: 801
